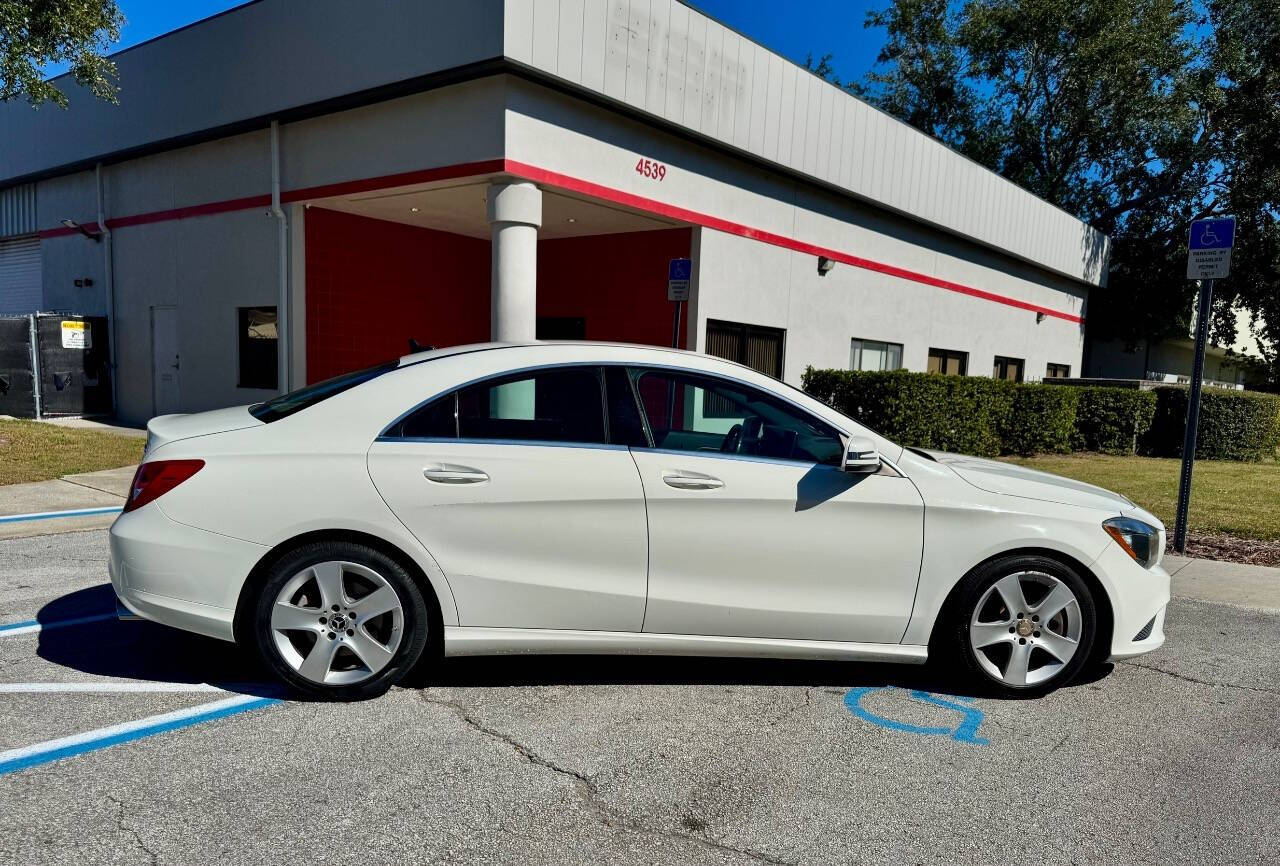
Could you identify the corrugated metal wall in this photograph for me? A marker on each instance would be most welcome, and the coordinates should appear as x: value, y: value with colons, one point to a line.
x: 666, y: 59
x: 20, y: 275
x: 18, y: 210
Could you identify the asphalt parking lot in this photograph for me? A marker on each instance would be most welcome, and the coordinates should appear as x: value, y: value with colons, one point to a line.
x: 132, y: 743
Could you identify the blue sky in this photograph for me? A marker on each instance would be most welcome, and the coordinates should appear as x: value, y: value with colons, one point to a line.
x: 791, y: 28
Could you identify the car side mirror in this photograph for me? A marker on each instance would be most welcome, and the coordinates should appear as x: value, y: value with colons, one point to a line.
x: 861, y: 457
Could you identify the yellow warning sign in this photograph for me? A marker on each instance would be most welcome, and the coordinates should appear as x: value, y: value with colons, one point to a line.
x: 75, y: 335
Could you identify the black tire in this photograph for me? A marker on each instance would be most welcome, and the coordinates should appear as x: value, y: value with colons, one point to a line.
x: 954, y: 647
x: 415, y: 624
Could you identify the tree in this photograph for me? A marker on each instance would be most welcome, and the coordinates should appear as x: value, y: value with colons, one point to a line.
x: 34, y: 33
x: 1245, y: 55
x: 1118, y: 111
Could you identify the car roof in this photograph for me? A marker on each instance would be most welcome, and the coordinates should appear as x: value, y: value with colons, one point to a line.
x: 641, y: 353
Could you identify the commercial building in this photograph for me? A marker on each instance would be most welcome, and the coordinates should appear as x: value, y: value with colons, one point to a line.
x: 287, y: 191
x: 1157, y: 362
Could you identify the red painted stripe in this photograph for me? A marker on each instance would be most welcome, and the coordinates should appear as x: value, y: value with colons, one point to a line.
x: 563, y: 181
x: 573, y: 184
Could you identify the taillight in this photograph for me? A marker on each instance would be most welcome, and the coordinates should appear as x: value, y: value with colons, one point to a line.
x: 155, y: 479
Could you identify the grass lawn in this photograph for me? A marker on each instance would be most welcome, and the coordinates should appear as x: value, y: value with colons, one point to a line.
x: 1240, y: 499
x: 32, y: 451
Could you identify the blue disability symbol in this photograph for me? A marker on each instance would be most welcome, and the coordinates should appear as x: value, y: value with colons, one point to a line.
x: 965, y: 732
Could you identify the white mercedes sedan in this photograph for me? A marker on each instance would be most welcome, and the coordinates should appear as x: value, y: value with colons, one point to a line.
x: 597, y: 498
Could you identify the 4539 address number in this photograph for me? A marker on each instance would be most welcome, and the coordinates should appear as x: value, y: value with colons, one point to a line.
x: 651, y: 169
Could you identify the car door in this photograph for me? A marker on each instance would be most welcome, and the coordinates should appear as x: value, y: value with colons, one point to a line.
x: 755, y: 531
x: 536, y: 520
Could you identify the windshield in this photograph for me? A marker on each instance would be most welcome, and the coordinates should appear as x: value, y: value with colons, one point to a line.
x: 295, y: 401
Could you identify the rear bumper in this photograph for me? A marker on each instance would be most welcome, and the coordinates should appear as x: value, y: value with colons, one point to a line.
x: 178, y: 575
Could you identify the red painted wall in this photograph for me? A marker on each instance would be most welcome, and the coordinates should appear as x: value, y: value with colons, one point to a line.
x: 373, y: 284
x: 617, y: 282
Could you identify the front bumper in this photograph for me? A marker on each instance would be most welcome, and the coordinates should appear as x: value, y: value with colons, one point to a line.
x: 1138, y: 598
x: 178, y: 575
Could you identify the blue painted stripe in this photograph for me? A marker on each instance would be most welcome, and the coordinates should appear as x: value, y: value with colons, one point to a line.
x: 52, y: 515
x: 69, y: 747
x: 26, y: 623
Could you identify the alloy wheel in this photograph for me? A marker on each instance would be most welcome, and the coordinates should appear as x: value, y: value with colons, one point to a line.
x: 1025, y: 628
x: 337, y: 623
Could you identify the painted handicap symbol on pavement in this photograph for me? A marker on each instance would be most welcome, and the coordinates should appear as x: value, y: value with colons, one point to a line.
x: 965, y: 732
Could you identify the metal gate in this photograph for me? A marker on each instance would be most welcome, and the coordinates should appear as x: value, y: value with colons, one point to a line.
x: 54, y: 365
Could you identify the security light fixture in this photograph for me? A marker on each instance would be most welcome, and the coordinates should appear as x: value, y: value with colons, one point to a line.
x: 1039, y: 318
x: 571, y: 219
x: 413, y: 210
x: 75, y: 226
x: 825, y: 265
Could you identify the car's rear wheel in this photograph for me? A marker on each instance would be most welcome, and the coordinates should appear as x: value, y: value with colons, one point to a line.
x: 340, y: 620
x: 1024, y: 625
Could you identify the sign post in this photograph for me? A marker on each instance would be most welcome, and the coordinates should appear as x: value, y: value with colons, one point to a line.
x: 1208, y: 259
x: 678, y: 273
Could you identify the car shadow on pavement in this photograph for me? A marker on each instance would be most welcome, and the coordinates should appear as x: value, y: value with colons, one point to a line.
x: 140, y: 650
x: 550, y: 670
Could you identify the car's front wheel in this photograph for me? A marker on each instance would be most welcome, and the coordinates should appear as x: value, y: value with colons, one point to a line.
x: 1024, y: 625
x: 340, y: 620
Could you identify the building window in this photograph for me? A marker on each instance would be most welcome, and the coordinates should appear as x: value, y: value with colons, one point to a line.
x: 259, y: 347
x: 756, y: 347
x: 948, y: 362
x: 1009, y: 369
x: 874, y: 355
x: 1057, y: 371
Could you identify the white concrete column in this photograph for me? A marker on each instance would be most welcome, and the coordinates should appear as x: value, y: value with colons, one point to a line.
x: 515, y: 213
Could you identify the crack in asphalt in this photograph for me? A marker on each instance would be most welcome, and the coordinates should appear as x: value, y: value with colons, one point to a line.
x: 588, y: 791
x: 137, y: 837
x: 808, y: 703
x: 1196, y: 680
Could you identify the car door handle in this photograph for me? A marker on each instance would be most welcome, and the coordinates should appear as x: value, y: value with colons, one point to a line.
x: 691, y: 481
x: 448, y: 473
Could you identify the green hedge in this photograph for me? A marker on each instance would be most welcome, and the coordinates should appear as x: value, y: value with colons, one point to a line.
x: 988, y: 417
x: 950, y: 413
x: 1234, y: 425
x: 1111, y: 420
x: 1042, y: 420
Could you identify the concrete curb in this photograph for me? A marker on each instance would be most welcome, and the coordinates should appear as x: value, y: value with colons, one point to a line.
x: 1253, y: 586
x: 86, y: 490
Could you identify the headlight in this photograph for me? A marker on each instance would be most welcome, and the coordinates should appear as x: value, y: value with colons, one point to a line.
x: 1139, y: 540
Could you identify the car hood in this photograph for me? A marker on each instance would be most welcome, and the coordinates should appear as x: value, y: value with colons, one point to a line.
x: 164, y: 429
x: 1008, y: 478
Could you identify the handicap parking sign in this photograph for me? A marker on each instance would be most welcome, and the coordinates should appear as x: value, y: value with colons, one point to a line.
x: 678, y: 273
x: 1209, y: 248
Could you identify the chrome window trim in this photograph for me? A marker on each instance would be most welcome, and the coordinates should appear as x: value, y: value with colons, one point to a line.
x: 547, y: 443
